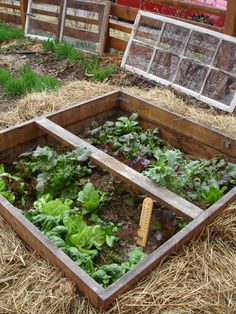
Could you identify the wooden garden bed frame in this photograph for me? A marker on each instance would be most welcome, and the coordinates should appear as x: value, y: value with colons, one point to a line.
x: 191, y: 137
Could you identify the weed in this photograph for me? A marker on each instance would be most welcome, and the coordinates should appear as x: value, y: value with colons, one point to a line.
x: 66, y: 51
x: 15, y: 87
x: 49, y: 46
x: 101, y: 74
x: 5, y: 75
x: 8, y: 33
x: 26, y: 81
x: 91, y: 65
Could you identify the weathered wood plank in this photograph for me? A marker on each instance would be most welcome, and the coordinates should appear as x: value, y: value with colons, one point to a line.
x: 117, y: 43
x: 44, y: 26
x: 123, y: 12
x: 230, y: 19
x: 104, y: 14
x: 10, y: 18
x: 81, y: 34
x: 123, y: 172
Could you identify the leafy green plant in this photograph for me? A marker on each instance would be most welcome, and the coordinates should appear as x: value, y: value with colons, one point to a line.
x: 91, y: 198
x: 5, y: 190
x: 212, y: 194
x: 127, y: 140
x: 55, y: 173
x: 8, y: 32
x: 107, y: 274
x: 62, y: 224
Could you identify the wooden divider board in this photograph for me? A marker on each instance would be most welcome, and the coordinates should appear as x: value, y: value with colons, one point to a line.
x: 85, y: 23
x: 17, y: 138
x: 189, y: 58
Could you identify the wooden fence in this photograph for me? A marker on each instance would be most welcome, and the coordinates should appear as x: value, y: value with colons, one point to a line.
x: 118, y: 32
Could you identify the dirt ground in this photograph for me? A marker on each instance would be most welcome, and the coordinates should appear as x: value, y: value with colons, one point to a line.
x: 201, y: 278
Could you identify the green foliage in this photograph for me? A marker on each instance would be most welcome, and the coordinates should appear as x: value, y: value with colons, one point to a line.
x: 125, y: 138
x: 5, y: 191
x: 5, y: 76
x: 212, y: 194
x: 107, y: 274
x: 91, y: 198
x: 195, y: 180
x: 92, y: 66
x: 55, y: 173
x: 125, y: 125
x: 102, y: 73
x: 8, y: 32
x: 68, y: 230
x: 49, y: 46
x: 26, y: 81
x: 66, y: 50
x: 63, y: 51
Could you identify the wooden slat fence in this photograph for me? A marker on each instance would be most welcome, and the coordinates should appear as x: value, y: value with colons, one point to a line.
x: 118, y: 31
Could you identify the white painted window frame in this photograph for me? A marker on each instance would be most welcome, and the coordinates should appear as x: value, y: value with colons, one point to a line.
x: 27, y: 23
x: 165, y: 82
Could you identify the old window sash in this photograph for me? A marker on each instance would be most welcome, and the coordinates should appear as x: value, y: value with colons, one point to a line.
x: 204, y: 69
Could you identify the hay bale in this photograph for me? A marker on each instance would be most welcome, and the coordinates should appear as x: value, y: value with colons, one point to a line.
x: 201, y: 278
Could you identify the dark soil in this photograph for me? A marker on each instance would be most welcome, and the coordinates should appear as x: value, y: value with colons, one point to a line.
x: 124, y: 207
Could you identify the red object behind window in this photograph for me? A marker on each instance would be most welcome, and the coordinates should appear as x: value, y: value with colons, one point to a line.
x: 171, y: 11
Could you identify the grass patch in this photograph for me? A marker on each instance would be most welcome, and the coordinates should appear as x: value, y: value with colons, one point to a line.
x: 27, y: 81
x: 8, y: 32
x: 92, y: 65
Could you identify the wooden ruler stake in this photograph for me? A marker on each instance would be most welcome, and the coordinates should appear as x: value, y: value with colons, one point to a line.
x: 144, y: 222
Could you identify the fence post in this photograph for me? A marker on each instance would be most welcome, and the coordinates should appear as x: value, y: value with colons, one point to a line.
x: 230, y: 19
x: 23, y: 11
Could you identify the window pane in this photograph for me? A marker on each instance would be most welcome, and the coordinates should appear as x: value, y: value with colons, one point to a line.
x: 43, y: 25
x: 191, y: 75
x: 202, y: 47
x: 174, y: 38
x: 139, y: 56
x: 220, y: 87
x: 164, y: 65
x: 226, y: 57
x: 148, y: 31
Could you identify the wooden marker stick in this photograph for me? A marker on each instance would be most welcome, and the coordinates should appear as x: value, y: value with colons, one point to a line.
x: 144, y: 222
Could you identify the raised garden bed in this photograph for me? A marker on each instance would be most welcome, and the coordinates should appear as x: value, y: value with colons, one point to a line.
x: 192, y: 138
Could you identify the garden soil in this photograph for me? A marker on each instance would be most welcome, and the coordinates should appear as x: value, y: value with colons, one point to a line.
x: 201, y: 278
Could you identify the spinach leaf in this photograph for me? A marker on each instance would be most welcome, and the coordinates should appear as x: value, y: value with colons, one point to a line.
x: 91, y: 198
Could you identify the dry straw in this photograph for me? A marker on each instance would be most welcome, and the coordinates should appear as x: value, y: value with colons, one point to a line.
x: 201, y: 278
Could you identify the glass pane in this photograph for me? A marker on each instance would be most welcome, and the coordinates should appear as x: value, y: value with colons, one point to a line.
x: 202, y: 47
x: 148, y: 30
x: 164, y: 65
x: 226, y: 57
x: 43, y: 25
x: 82, y: 25
x: 191, y: 75
x: 220, y: 86
x: 139, y: 56
x: 174, y: 38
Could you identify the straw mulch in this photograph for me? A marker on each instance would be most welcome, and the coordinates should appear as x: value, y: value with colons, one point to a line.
x: 201, y: 278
